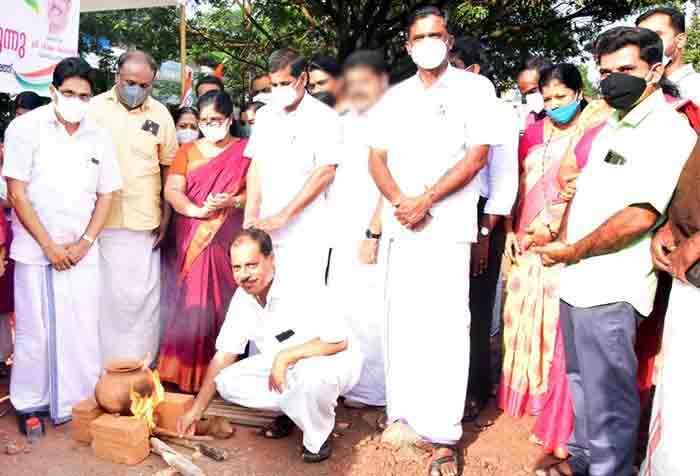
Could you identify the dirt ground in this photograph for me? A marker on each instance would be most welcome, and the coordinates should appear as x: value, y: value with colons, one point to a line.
x: 499, y: 450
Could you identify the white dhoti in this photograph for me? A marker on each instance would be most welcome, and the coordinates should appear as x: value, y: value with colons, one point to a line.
x: 675, y: 419
x: 427, y: 336
x: 311, y: 395
x: 299, y: 263
x: 357, y: 291
x: 130, y: 304
x: 57, y: 359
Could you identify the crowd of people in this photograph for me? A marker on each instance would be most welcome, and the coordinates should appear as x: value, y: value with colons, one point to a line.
x: 341, y: 239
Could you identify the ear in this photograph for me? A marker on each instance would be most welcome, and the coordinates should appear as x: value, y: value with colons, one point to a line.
x: 408, y: 48
x: 681, y: 41
x: 52, y: 91
x: 450, y: 42
x: 657, y: 72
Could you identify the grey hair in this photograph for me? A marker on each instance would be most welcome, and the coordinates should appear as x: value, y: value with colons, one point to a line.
x: 280, y: 59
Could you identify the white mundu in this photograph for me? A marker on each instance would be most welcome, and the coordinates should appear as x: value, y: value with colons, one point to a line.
x: 357, y: 289
x: 57, y: 356
x: 671, y: 449
x: 427, y: 283
x: 313, y: 384
x: 286, y: 148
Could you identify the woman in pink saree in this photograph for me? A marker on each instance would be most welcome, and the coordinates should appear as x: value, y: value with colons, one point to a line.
x: 206, y: 187
x: 534, y: 375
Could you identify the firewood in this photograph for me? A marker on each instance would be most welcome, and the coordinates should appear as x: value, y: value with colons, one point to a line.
x: 171, y: 434
x: 174, y: 459
x: 217, y: 454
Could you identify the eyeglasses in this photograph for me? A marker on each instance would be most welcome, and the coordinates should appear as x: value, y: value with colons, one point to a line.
x: 212, y: 122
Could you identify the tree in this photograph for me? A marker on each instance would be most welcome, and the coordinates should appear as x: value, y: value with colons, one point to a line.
x: 242, y: 33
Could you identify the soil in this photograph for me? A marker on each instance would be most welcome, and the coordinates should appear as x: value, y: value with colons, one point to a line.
x: 499, y: 450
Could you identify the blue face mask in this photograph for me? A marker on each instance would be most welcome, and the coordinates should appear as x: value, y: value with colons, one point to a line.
x: 564, y: 114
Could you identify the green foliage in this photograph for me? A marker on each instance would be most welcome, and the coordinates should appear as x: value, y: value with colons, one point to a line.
x: 692, y: 50
x: 242, y: 33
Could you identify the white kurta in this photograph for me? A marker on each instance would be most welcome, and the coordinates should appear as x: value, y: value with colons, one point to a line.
x: 313, y: 384
x: 286, y: 149
x: 674, y: 421
x: 57, y: 357
x: 130, y: 284
x: 427, y: 281
x: 357, y: 289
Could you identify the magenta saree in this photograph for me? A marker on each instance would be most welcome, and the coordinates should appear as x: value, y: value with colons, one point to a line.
x: 205, y: 281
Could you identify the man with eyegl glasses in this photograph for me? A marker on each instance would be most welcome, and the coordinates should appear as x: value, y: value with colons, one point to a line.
x: 146, y: 140
x: 62, y: 172
x: 294, y: 152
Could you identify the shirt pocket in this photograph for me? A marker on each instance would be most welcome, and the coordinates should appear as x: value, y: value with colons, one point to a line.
x: 144, y: 152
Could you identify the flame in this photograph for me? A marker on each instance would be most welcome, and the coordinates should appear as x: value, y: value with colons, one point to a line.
x: 144, y: 406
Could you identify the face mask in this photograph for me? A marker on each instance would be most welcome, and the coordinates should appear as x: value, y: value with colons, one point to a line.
x: 564, y: 114
x: 326, y: 98
x: 244, y: 131
x: 429, y: 53
x: 133, y: 96
x: 283, y: 96
x: 72, y: 110
x: 535, y: 102
x: 622, y: 91
x: 214, y: 133
x: 185, y: 136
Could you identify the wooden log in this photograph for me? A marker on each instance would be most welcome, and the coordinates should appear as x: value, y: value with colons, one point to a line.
x: 217, y: 454
x: 174, y: 459
x: 245, y: 420
x: 171, y: 434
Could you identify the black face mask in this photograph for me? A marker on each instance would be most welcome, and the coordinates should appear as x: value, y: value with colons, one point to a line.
x: 325, y: 97
x: 622, y: 91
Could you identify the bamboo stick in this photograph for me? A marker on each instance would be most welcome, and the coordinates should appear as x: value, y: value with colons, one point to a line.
x: 163, y: 432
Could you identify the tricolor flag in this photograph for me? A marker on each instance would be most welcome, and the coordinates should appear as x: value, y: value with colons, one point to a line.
x: 187, y: 94
x: 219, y: 71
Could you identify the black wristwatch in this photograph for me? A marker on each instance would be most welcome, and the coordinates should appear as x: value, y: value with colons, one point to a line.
x: 372, y: 236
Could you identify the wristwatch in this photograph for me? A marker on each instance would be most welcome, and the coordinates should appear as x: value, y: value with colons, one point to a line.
x: 484, y: 231
x: 88, y: 238
x: 372, y: 236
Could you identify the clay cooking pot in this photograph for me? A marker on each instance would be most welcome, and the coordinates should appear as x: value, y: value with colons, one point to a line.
x: 113, y: 390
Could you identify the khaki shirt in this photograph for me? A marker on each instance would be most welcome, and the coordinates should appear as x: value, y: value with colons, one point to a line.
x: 145, y: 140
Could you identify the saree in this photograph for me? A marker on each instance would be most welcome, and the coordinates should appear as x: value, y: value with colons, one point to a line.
x: 531, y: 309
x: 205, y: 283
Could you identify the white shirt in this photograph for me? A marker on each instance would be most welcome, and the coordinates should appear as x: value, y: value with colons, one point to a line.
x: 287, y: 320
x: 287, y: 148
x: 499, y: 179
x: 353, y: 194
x: 652, y: 144
x: 64, y: 174
x: 688, y: 81
x: 425, y: 133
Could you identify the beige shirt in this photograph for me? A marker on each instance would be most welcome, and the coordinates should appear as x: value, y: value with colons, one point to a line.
x: 145, y: 140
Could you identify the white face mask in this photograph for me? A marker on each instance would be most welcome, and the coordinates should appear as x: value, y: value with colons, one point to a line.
x: 72, y: 110
x: 283, y: 96
x: 535, y: 102
x: 185, y: 136
x: 263, y: 97
x: 429, y: 53
x: 214, y: 133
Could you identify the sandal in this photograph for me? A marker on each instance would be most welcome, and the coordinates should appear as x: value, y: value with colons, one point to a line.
x: 281, y: 427
x: 323, y: 454
x: 436, y: 464
x: 561, y: 469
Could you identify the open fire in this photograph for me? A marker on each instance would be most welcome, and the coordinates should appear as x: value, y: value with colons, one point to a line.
x: 144, y: 406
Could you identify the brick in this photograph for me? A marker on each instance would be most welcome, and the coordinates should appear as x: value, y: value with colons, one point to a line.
x: 126, y: 431
x: 83, y: 414
x: 122, y: 454
x: 174, y: 406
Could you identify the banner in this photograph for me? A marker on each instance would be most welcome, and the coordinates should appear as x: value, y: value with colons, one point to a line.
x: 34, y: 36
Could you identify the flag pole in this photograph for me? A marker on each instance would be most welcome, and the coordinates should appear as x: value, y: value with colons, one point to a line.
x: 183, y: 47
